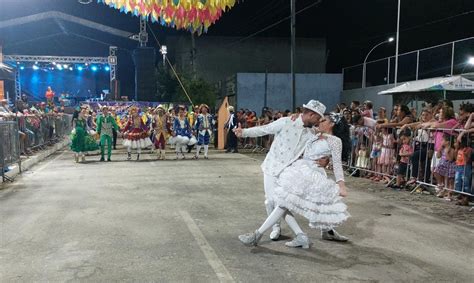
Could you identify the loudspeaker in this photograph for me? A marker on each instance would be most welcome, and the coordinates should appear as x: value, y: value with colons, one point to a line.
x: 145, y: 76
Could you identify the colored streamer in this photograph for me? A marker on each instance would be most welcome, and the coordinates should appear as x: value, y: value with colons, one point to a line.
x: 192, y: 15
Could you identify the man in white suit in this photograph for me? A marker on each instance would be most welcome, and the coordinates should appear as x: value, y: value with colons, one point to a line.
x: 289, y: 142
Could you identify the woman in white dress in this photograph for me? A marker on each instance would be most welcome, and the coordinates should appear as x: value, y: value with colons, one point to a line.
x: 305, y: 189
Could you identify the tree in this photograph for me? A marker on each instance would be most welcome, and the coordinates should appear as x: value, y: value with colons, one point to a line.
x: 169, y: 89
x: 199, y: 90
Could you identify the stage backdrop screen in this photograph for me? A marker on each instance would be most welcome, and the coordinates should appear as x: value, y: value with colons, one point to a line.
x: 78, y: 84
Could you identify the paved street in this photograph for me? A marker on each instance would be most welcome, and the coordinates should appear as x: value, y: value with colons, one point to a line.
x: 172, y: 221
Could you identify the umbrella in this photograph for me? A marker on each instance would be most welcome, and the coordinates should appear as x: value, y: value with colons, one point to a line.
x: 192, y: 15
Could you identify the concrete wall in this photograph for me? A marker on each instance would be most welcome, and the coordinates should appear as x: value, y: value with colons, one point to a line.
x: 369, y: 93
x: 251, y: 90
x: 220, y: 57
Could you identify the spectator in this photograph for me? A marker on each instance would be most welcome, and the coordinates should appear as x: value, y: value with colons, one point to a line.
x: 355, y: 106
x: 422, y: 142
x: 368, y: 112
x: 405, y: 152
x: 463, y: 174
x: 445, y: 169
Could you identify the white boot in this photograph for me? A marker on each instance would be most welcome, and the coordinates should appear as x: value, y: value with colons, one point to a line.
x: 276, y: 231
x: 206, y: 151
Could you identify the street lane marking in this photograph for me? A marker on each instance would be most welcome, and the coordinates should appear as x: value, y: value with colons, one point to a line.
x: 211, y: 256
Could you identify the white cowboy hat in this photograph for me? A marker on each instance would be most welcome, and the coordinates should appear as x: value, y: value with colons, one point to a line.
x: 316, y: 107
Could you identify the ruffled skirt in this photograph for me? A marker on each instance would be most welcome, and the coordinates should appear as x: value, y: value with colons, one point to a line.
x: 137, y: 138
x: 81, y: 141
x: 182, y: 140
x: 305, y: 189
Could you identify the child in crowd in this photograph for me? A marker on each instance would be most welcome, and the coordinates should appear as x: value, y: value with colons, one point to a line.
x: 406, y: 150
x: 374, y: 157
x: 362, y: 160
x: 463, y: 174
x: 387, y: 153
x: 445, y: 169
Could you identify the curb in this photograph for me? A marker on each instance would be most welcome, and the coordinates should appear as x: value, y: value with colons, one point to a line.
x: 33, y: 160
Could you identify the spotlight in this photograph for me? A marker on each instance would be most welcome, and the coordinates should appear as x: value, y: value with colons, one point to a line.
x: 36, y: 62
x: 94, y: 68
x: 54, y: 63
x: 65, y: 66
x: 107, y: 68
x: 80, y: 68
x: 59, y: 67
x: 470, y: 61
x: 22, y: 67
x: 35, y: 67
x: 71, y: 68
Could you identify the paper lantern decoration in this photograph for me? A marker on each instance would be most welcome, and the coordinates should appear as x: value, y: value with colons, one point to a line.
x: 192, y: 15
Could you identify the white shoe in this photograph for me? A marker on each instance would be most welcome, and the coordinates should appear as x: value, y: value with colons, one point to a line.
x: 332, y: 235
x: 250, y: 239
x: 301, y: 241
x: 275, y: 234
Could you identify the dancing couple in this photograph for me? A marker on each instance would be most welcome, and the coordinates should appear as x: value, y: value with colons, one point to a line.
x: 294, y: 182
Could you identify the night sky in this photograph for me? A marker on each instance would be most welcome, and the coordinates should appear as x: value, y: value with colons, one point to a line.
x: 350, y: 27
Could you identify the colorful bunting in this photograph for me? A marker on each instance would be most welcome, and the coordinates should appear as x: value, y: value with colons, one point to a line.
x: 193, y: 15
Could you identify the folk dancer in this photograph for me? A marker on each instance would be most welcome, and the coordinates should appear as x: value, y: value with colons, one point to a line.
x: 81, y: 141
x: 106, y: 125
x: 161, y: 132
x: 135, y: 134
x: 181, y: 133
x: 204, y: 129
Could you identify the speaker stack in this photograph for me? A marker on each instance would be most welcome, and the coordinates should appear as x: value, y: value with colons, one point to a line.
x: 145, y: 81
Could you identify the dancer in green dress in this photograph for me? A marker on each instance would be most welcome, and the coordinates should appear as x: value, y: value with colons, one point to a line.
x: 81, y: 140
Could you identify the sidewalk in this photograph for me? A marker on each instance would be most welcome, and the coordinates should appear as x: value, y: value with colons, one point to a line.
x: 30, y: 161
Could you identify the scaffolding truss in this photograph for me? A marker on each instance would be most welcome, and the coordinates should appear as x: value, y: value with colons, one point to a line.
x: 111, y: 61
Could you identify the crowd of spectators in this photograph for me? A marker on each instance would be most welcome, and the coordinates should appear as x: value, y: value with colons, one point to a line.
x: 399, y: 147
x: 39, y: 124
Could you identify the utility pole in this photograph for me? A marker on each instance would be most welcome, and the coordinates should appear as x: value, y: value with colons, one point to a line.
x: 193, y: 55
x: 396, y: 48
x: 292, y: 62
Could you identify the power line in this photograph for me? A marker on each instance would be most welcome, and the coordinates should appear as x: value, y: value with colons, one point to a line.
x: 419, y: 26
x: 265, y: 28
x: 171, y: 65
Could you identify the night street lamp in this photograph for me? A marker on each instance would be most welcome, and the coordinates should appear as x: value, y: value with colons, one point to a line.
x: 470, y: 61
x: 390, y: 39
x: 164, y: 51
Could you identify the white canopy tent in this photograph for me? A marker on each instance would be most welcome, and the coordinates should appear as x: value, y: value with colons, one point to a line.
x: 443, y: 84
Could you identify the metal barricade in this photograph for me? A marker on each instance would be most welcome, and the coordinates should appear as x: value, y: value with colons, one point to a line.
x: 9, y: 147
x: 423, y: 158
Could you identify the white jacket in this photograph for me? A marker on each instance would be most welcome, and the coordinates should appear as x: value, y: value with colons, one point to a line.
x: 288, y: 144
